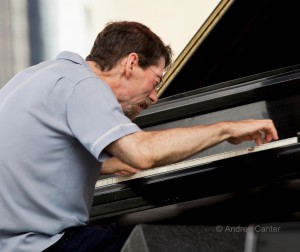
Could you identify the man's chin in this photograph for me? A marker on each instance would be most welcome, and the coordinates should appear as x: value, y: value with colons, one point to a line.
x: 131, y: 114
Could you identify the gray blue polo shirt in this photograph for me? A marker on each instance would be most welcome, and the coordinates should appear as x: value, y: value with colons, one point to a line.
x: 56, y: 118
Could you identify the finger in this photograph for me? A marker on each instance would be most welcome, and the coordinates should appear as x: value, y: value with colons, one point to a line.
x: 122, y: 173
x: 127, y: 171
x: 271, y: 130
x: 268, y: 138
x: 130, y: 170
x: 258, y: 139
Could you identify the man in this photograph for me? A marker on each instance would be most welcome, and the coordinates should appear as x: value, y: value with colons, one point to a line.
x: 60, y: 119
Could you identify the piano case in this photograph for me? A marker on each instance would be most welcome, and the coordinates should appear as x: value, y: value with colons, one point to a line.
x: 243, y: 62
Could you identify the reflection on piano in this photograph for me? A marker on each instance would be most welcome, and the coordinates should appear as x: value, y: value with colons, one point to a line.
x: 244, y: 62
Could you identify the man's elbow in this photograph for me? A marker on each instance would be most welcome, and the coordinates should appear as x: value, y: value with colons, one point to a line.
x: 143, y: 162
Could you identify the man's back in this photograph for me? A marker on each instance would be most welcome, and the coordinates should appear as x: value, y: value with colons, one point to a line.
x: 40, y: 160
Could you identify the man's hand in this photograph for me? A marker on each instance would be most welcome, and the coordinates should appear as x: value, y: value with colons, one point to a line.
x: 115, y: 166
x: 260, y: 131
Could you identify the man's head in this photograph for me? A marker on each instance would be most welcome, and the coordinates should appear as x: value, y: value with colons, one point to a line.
x: 131, y: 59
x: 119, y: 39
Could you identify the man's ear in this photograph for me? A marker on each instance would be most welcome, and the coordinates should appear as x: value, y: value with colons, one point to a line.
x: 130, y: 63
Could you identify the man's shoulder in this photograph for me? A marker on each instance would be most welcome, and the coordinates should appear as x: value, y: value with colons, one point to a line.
x: 71, y: 56
x: 72, y: 67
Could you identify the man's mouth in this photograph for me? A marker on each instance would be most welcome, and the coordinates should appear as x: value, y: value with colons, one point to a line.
x: 145, y: 104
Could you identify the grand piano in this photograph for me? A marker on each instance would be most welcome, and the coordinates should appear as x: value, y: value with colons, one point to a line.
x: 243, y: 62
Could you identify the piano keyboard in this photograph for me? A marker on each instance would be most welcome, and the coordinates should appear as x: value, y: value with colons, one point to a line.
x: 194, y: 162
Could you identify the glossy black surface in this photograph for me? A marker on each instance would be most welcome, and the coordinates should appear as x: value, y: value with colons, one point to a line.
x: 266, y: 87
x: 252, y: 175
x: 252, y: 37
x: 275, y: 96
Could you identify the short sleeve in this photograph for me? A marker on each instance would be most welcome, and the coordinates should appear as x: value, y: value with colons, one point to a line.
x: 96, y: 118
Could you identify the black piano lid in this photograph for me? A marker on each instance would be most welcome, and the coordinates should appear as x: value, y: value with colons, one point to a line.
x: 266, y: 86
x: 240, y: 38
x: 245, y: 52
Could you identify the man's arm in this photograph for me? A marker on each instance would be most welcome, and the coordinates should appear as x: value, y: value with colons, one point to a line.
x: 145, y: 150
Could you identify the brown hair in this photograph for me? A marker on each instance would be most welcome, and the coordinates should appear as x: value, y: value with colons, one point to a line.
x: 118, y: 39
